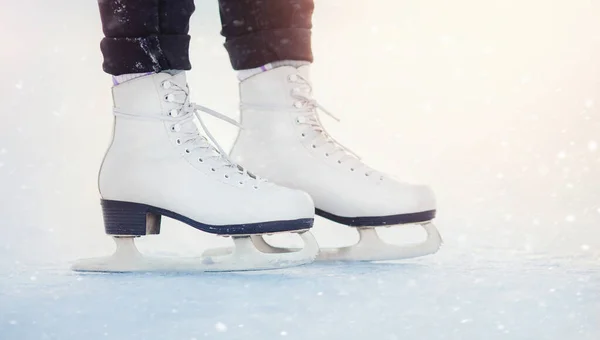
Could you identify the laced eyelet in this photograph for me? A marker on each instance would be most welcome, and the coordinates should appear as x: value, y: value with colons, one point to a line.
x: 298, y: 104
x: 178, y: 141
x: 200, y: 160
x: 292, y: 78
x: 166, y: 84
x: 173, y: 113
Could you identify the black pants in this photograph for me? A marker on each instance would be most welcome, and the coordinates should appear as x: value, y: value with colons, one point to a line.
x: 152, y: 35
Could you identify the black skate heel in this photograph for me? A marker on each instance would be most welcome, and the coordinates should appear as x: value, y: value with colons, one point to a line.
x: 129, y: 219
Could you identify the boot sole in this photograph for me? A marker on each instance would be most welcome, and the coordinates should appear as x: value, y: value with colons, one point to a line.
x: 136, y: 219
x: 377, y: 221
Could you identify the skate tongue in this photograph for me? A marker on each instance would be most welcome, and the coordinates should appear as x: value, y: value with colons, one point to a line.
x: 305, y: 72
x: 179, y: 79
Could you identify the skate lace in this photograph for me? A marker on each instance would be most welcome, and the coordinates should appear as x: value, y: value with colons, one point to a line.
x: 321, y: 139
x: 207, y: 150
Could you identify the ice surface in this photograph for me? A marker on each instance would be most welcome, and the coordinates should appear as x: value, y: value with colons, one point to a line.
x: 496, y: 108
x: 465, y: 298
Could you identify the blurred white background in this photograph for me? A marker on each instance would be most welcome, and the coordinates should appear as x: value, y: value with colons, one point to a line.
x: 496, y: 104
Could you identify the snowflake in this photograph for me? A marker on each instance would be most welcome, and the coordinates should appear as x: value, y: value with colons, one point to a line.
x: 220, y: 327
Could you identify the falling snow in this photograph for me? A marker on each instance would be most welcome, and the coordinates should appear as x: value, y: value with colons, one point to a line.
x: 220, y: 327
x: 501, y: 120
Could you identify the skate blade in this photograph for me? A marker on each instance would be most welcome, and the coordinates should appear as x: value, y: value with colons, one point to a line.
x: 372, y: 248
x: 243, y: 257
x: 369, y: 247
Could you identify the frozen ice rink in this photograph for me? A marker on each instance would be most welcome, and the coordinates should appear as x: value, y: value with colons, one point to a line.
x: 495, y: 104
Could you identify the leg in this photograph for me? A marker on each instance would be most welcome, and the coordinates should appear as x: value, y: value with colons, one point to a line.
x: 261, y: 32
x: 145, y: 35
x: 284, y: 141
x: 161, y: 164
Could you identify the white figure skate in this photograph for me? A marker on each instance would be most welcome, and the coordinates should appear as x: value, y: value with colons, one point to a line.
x: 159, y: 164
x: 284, y: 141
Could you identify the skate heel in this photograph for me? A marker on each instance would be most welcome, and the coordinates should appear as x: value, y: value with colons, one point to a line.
x: 129, y: 219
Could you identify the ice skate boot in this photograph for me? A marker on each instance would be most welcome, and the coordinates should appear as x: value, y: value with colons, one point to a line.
x: 284, y: 141
x: 160, y: 164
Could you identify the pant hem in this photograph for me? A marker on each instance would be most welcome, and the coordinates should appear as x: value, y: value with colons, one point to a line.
x: 154, y: 53
x: 260, y: 48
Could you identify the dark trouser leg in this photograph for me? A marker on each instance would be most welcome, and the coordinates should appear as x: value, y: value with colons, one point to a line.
x: 145, y: 35
x: 258, y: 32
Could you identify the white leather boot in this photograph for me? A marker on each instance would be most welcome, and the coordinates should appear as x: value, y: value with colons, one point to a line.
x: 159, y: 164
x: 284, y: 141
